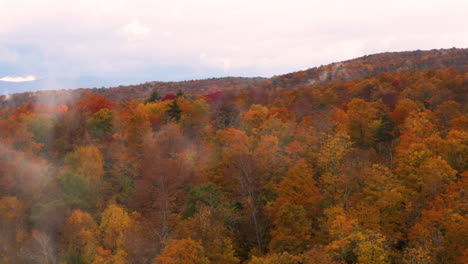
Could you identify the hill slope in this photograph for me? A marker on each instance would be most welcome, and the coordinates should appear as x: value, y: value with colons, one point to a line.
x: 366, y: 66
x: 367, y: 170
x: 372, y: 65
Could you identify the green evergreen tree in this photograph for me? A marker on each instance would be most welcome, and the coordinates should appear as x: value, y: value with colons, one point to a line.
x: 174, y: 111
x: 385, y: 131
x: 153, y: 97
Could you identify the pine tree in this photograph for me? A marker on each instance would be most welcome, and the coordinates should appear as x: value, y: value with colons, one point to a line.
x: 153, y: 97
x: 385, y: 131
x: 174, y: 110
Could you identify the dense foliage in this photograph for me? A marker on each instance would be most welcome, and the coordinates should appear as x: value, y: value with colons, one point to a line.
x: 365, y: 169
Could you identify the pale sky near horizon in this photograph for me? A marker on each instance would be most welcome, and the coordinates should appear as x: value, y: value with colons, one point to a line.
x: 107, y: 42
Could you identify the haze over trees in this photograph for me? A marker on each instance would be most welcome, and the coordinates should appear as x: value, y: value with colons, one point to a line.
x: 364, y: 161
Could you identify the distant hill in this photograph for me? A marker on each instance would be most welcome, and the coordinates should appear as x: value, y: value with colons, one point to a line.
x: 371, y: 65
x: 366, y: 66
x: 132, y: 92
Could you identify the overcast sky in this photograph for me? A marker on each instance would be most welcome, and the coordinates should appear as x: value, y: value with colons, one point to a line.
x: 107, y: 42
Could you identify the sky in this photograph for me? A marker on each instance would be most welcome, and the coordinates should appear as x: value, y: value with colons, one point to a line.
x: 58, y: 44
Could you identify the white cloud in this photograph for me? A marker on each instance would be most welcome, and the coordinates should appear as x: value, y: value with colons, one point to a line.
x: 135, y: 30
x: 28, y: 78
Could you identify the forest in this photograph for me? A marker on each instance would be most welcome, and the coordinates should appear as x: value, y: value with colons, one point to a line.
x: 364, y: 161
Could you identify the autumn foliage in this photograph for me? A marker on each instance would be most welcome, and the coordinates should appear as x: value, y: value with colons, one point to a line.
x: 366, y: 164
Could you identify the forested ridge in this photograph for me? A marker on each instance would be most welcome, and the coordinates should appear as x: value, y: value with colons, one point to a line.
x: 367, y: 66
x: 363, y: 161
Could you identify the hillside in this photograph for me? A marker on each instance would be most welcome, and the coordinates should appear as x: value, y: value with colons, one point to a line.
x: 359, y: 162
x: 372, y: 65
x: 362, y: 67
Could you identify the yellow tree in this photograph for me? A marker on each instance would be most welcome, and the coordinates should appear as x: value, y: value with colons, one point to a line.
x: 370, y: 247
x: 458, y: 149
x: 207, y: 228
x: 363, y: 119
x: 423, y: 172
x: 292, y: 230
x: 417, y: 127
x: 338, y: 177
x: 275, y: 126
x: 101, y: 124
x: 423, y: 175
x: 115, y: 222
x: 81, y: 182
x: 417, y: 255
x: 333, y: 149
x: 81, y: 235
x: 195, y: 116
x: 380, y: 202
x: 352, y: 244
x: 436, y: 174
x: 339, y: 226
x: 87, y: 162
x: 453, y: 148
x: 254, y: 118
